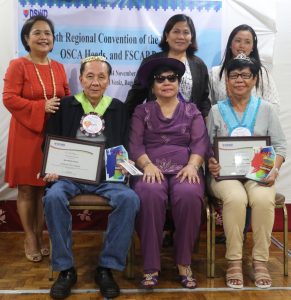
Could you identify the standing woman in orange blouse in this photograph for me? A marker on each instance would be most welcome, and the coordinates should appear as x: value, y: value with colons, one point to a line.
x: 33, y: 86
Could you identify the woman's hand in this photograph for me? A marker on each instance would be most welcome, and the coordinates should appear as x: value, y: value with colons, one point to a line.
x: 213, y: 166
x: 270, y: 180
x: 188, y: 172
x: 152, y: 174
x: 52, y: 105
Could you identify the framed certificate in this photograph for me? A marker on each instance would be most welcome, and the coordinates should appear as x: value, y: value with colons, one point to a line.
x: 234, y: 154
x: 78, y: 160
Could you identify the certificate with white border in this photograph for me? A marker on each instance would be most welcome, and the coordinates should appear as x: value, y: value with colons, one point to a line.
x: 75, y: 159
x: 234, y: 154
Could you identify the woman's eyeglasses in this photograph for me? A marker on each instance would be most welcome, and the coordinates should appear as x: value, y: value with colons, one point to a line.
x: 242, y: 75
x: 170, y: 78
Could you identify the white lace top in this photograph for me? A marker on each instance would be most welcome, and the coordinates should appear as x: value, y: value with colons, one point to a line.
x: 267, y: 89
x: 186, y: 83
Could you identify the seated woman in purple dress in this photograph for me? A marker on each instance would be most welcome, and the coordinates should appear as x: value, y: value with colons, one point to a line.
x: 168, y: 141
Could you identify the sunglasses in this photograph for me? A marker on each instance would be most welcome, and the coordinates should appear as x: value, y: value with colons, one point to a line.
x: 170, y: 78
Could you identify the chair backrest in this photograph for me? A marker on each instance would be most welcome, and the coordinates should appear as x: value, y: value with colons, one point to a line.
x: 280, y: 199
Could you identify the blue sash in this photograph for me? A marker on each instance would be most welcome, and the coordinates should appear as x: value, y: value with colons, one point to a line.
x: 248, y: 119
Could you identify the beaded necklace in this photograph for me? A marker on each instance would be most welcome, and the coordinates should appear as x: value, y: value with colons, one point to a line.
x: 41, y: 82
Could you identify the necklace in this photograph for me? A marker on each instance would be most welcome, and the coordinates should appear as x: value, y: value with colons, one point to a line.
x: 41, y: 82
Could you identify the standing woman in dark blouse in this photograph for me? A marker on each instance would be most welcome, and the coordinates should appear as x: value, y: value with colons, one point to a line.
x: 179, y: 42
x: 33, y: 86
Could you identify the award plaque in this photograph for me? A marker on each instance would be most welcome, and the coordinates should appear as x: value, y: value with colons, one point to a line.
x: 73, y: 159
x: 234, y: 154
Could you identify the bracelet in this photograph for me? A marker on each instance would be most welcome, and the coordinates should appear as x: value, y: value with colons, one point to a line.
x: 194, y: 165
x: 148, y: 162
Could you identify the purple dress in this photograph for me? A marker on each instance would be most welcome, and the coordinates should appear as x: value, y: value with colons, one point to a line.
x: 168, y: 142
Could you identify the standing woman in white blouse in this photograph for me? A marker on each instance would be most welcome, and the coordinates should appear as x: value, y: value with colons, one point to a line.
x: 242, y: 39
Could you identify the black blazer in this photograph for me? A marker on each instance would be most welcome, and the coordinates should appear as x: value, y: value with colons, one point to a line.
x: 200, y: 92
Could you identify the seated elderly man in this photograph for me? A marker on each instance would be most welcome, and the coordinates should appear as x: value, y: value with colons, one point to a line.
x: 94, y: 78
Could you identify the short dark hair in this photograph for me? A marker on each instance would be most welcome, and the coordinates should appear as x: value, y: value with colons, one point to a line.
x: 228, y: 53
x: 26, y: 28
x: 97, y: 58
x: 168, y: 27
x: 239, y: 64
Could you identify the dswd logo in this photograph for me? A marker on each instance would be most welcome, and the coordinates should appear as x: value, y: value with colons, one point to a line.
x: 35, y: 12
x: 25, y: 12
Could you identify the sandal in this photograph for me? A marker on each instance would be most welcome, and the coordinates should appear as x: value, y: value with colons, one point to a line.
x: 33, y: 257
x: 45, y: 251
x: 262, y: 277
x: 234, y: 276
x: 187, y: 280
x: 150, y: 280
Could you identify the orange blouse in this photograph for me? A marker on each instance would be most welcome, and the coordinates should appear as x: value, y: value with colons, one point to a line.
x: 24, y: 98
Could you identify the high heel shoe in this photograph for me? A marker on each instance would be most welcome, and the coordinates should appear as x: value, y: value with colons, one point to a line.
x: 45, y: 251
x: 33, y: 257
x: 187, y: 280
x: 150, y: 280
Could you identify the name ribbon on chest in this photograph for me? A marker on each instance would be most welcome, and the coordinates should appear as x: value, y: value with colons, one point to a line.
x: 245, y: 125
x: 92, y: 123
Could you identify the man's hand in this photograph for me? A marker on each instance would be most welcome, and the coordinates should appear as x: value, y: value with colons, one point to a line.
x: 50, y: 177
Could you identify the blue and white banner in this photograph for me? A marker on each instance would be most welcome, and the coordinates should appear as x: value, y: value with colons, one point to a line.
x: 124, y: 31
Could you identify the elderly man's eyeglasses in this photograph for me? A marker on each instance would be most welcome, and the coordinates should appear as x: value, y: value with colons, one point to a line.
x: 170, y: 78
x: 242, y: 75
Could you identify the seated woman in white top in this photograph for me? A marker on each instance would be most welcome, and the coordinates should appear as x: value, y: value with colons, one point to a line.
x: 245, y: 115
x: 242, y: 39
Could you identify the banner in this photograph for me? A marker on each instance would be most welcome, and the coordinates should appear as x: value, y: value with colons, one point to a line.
x: 125, y: 32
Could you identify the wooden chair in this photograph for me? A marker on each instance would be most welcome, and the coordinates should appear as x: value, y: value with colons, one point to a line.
x: 215, y: 203
x: 208, y: 237
x: 95, y: 202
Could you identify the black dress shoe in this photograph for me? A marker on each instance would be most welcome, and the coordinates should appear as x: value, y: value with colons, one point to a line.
x: 108, y: 286
x: 62, y: 286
